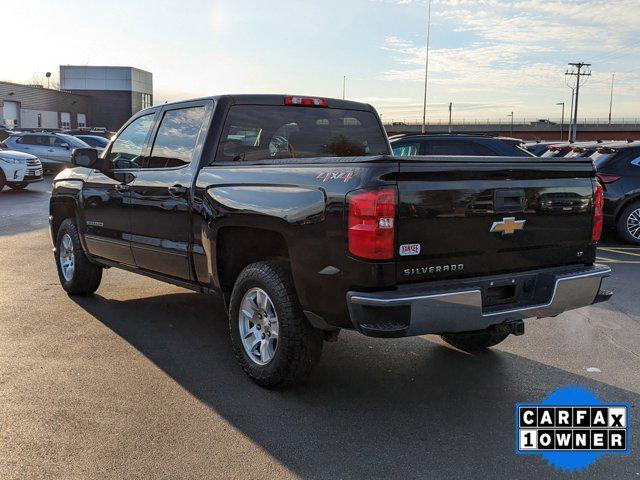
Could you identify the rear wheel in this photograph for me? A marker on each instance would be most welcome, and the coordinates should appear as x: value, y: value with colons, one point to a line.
x: 18, y: 186
x: 474, y: 341
x: 2, y: 180
x: 78, y: 276
x: 629, y: 223
x: 272, y: 339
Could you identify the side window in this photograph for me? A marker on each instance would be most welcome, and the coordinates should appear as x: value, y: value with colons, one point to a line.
x: 480, y: 150
x: 176, y: 139
x: 38, y: 140
x: 58, y: 142
x: 405, y: 149
x: 126, y: 151
x: 445, y: 148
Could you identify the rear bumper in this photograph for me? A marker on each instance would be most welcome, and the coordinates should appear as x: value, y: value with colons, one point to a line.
x: 461, y: 305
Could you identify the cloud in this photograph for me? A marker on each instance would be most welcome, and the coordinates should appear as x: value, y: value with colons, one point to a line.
x: 516, y: 52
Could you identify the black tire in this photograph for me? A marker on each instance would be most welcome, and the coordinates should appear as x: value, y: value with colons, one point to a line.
x: 2, y: 180
x: 299, y: 345
x: 474, y: 341
x: 17, y: 186
x: 86, y: 276
x: 621, y: 225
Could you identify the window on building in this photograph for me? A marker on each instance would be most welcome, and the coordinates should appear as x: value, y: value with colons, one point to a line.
x: 176, y: 138
x: 82, y: 120
x: 127, y: 148
x: 65, y: 120
x: 39, y: 120
x: 146, y: 100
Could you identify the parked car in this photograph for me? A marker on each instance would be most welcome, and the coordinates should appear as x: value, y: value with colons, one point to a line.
x: 95, y: 141
x: 455, y: 144
x: 538, y: 148
x: 294, y: 211
x: 558, y: 150
x: 53, y: 149
x: 17, y: 169
x: 618, y: 167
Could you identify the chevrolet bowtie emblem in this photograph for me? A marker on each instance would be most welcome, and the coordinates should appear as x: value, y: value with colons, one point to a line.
x: 507, y: 226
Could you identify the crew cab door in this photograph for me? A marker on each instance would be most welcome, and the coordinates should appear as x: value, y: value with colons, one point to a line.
x: 106, y: 195
x: 161, y: 232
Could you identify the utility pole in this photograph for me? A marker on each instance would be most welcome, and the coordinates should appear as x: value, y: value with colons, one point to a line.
x: 511, y: 115
x: 613, y: 75
x: 577, y: 73
x: 426, y: 70
x: 344, y: 86
x: 562, y: 121
x: 450, y: 108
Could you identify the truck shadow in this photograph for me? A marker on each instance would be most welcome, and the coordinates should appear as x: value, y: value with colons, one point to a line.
x: 407, y: 408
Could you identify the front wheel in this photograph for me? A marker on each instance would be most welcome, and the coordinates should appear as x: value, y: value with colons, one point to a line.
x: 272, y: 339
x: 474, y: 341
x: 629, y: 224
x: 78, y: 276
x: 18, y: 186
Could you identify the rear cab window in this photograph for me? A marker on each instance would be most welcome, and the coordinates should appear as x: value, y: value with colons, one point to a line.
x: 265, y: 132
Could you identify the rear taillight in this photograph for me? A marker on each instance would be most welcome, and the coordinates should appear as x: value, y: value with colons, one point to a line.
x: 605, y: 178
x: 372, y: 223
x: 598, y: 205
x: 306, y: 101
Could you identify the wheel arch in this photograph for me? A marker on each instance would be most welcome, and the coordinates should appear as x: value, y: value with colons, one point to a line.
x: 239, y: 246
x: 634, y: 197
x: 61, y: 208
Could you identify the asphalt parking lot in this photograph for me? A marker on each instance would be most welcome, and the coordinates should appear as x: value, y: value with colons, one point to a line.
x: 139, y: 381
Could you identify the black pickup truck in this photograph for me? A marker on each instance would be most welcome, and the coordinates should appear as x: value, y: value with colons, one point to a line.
x: 294, y: 211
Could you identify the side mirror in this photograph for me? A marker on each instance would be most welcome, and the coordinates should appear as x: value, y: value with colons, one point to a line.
x: 65, y: 145
x: 85, y: 157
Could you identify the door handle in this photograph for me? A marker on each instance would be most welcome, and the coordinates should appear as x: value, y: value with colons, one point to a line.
x: 122, y: 187
x: 177, y: 190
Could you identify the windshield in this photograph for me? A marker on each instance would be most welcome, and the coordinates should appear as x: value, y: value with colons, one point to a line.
x: 261, y: 132
x: 72, y: 141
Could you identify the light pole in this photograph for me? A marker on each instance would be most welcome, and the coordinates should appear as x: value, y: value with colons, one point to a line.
x: 344, y: 86
x: 570, y: 115
x: 426, y: 70
x: 562, y: 121
x: 511, y: 115
x: 613, y: 75
x: 450, y: 108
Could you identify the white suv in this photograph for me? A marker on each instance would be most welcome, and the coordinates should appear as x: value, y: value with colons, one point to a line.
x: 53, y: 149
x: 17, y: 169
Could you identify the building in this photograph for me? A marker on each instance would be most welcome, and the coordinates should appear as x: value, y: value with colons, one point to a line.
x: 115, y: 93
x: 88, y: 97
x: 26, y: 106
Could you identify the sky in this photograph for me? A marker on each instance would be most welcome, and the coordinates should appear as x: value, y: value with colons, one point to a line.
x: 487, y: 57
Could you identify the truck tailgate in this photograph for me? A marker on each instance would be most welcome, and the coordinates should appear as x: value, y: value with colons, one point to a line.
x: 462, y: 216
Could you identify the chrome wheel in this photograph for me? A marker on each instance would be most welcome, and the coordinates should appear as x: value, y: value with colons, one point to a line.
x: 67, y: 258
x: 633, y: 224
x: 258, y: 323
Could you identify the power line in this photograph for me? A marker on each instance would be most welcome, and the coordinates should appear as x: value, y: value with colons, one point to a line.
x: 617, y: 53
x: 577, y: 73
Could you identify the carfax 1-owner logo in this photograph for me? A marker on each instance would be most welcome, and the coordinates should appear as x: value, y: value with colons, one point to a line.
x: 571, y: 428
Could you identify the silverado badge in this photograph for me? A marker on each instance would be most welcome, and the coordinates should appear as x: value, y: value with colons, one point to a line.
x: 507, y: 226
